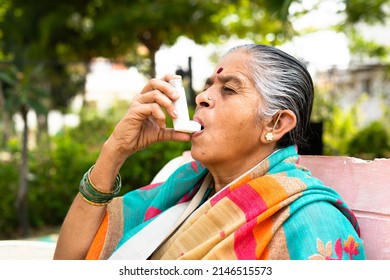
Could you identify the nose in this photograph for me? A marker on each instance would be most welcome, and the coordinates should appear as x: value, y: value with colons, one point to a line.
x: 204, y: 100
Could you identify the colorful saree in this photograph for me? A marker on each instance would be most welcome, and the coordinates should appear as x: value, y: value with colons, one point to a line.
x: 276, y: 210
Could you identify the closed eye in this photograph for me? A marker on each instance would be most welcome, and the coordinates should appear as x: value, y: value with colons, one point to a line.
x: 228, y: 90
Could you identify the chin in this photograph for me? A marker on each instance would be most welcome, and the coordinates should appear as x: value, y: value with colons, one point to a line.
x: 196, y: 154
x: 199, y: 155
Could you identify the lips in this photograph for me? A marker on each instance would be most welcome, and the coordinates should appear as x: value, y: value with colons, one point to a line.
x: 198, y: 120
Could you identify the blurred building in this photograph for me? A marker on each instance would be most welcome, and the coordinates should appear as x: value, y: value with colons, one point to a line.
x: 347, y: 85
x: 109, y: 82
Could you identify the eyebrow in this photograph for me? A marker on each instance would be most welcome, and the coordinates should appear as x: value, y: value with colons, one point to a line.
x: 223, y: 79
x: 228, y: 78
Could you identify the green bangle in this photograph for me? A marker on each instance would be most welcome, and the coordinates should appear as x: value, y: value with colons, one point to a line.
x: 93, y: 195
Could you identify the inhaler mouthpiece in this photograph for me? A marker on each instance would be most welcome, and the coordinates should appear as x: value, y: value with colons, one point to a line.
x: 182, y: 122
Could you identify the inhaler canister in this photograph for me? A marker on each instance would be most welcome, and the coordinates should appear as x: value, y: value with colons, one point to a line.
x: 182, y: 122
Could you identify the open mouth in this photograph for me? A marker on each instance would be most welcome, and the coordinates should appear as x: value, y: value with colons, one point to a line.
x: 200, y: 122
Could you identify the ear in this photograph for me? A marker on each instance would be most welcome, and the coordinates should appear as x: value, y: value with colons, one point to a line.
x: 280, y: 124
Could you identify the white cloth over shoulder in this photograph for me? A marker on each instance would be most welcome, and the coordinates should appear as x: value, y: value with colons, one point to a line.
x: 147, y: 240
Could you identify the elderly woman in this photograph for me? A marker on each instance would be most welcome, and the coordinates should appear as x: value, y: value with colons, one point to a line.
x: 245, y: 196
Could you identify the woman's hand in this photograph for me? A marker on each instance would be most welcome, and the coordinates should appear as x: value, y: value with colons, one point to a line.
x: 144, y: 123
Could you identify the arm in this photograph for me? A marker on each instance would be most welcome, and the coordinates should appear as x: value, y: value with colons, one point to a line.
x: 143, y: 125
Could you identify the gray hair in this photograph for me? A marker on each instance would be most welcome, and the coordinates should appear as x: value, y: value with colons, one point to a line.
x: 283, y: 83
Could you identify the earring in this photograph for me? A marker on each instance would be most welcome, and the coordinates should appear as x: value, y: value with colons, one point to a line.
x: 269, y: 136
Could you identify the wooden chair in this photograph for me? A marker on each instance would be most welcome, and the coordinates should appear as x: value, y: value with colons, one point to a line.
x: 365, y: 185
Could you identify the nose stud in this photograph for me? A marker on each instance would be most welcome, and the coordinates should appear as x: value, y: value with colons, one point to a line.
x: 209, y: 98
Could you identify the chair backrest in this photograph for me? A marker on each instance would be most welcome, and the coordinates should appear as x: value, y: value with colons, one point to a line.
x: 365, y: 186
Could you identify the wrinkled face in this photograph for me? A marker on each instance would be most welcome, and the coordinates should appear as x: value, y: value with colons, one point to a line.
x: 228, y: 111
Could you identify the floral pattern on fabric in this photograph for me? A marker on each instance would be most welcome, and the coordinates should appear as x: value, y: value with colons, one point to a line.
x: 325, y: 251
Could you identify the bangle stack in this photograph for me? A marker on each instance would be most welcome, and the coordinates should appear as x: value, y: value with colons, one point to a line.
x: 93, y: 195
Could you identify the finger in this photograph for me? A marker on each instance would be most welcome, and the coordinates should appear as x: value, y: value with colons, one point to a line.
x: 169, y: 77
x: 163, y: 86
x: 161, y: 99
x: 153, y: 110
x: 169, y: 134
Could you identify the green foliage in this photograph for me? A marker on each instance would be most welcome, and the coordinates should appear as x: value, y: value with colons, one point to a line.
x: 370, y: 142
x: 371, y: 11
x: 52, y: 183
x: 22, y: 90
x: 338, y: 131
x: 366, y: 49
x: 55, y: 174
x: 343, y: 132
x: 9, y: 175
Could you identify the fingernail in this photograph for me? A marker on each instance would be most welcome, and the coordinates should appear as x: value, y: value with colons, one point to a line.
x: 175, y: 94
x: 174, y: 112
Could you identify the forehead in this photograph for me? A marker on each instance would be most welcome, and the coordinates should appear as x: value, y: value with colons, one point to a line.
x: 237, y: 60
x: 234, y: 64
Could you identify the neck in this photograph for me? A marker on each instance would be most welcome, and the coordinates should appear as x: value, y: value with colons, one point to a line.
x: 227, y: 171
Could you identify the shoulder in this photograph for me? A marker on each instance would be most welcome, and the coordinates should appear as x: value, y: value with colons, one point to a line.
x: 321, y: 231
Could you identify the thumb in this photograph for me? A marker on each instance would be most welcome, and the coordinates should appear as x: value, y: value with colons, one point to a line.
x: 169, y: 134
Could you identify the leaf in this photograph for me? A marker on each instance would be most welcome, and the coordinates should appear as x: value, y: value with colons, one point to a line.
x: 338, y: 248
x: 7, y: 79
x: 37, y: 106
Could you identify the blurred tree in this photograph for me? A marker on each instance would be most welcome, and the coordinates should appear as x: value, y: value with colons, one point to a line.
x: 5, y: 118
x: 23, y: 94
x: 372, y: 11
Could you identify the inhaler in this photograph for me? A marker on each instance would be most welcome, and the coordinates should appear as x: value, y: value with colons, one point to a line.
x: 182, y: 122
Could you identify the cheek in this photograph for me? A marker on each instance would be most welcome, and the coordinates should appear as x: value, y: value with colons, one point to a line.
x: 237, y: 130
x: 235, y: 123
